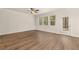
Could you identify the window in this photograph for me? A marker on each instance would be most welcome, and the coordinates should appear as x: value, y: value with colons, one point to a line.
x: 40, y: 20
x: 46, y: 20
x: 65, y: 23
x: 52, y: 20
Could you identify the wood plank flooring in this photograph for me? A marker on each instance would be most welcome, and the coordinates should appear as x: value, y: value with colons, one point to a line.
x: 38, y: 40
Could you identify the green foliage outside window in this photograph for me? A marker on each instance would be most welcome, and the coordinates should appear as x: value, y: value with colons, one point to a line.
x: 40, y: 21
x: 52, y: 20
x: 46, y: 20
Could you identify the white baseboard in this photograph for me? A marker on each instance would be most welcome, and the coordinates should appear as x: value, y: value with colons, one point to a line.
x: 14, y: 32
x: 60, y: 33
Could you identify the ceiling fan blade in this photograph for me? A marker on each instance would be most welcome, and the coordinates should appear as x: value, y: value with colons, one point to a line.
x: 32, y: 10
x: 37, y: 10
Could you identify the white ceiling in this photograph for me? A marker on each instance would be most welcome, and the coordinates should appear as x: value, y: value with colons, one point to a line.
x: 44, y: 10
x: 26, y: 10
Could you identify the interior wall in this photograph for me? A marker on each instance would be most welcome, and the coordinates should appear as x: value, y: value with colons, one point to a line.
x: 12, y: 21
x: 73, y: 15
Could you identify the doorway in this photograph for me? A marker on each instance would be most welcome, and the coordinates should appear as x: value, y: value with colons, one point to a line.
x: 66, y: 26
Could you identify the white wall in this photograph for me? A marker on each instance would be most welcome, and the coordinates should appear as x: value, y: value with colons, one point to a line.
x: 12, y: 21
x: 74, y: 16
x: 73, y: 22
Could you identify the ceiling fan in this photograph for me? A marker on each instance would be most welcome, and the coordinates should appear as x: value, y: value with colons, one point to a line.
x: 33, y: 10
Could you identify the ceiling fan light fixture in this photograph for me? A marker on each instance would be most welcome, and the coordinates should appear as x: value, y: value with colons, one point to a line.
x: 32, y: 12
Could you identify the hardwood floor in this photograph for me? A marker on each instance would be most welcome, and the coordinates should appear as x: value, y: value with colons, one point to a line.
x: 38, y: 40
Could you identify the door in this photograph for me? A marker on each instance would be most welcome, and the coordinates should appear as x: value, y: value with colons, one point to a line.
x: 65, y: 26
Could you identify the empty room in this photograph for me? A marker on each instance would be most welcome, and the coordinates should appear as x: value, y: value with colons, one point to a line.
x: 39, y: 28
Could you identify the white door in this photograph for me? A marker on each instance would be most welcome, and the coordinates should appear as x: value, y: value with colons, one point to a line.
x: 66, y: 26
